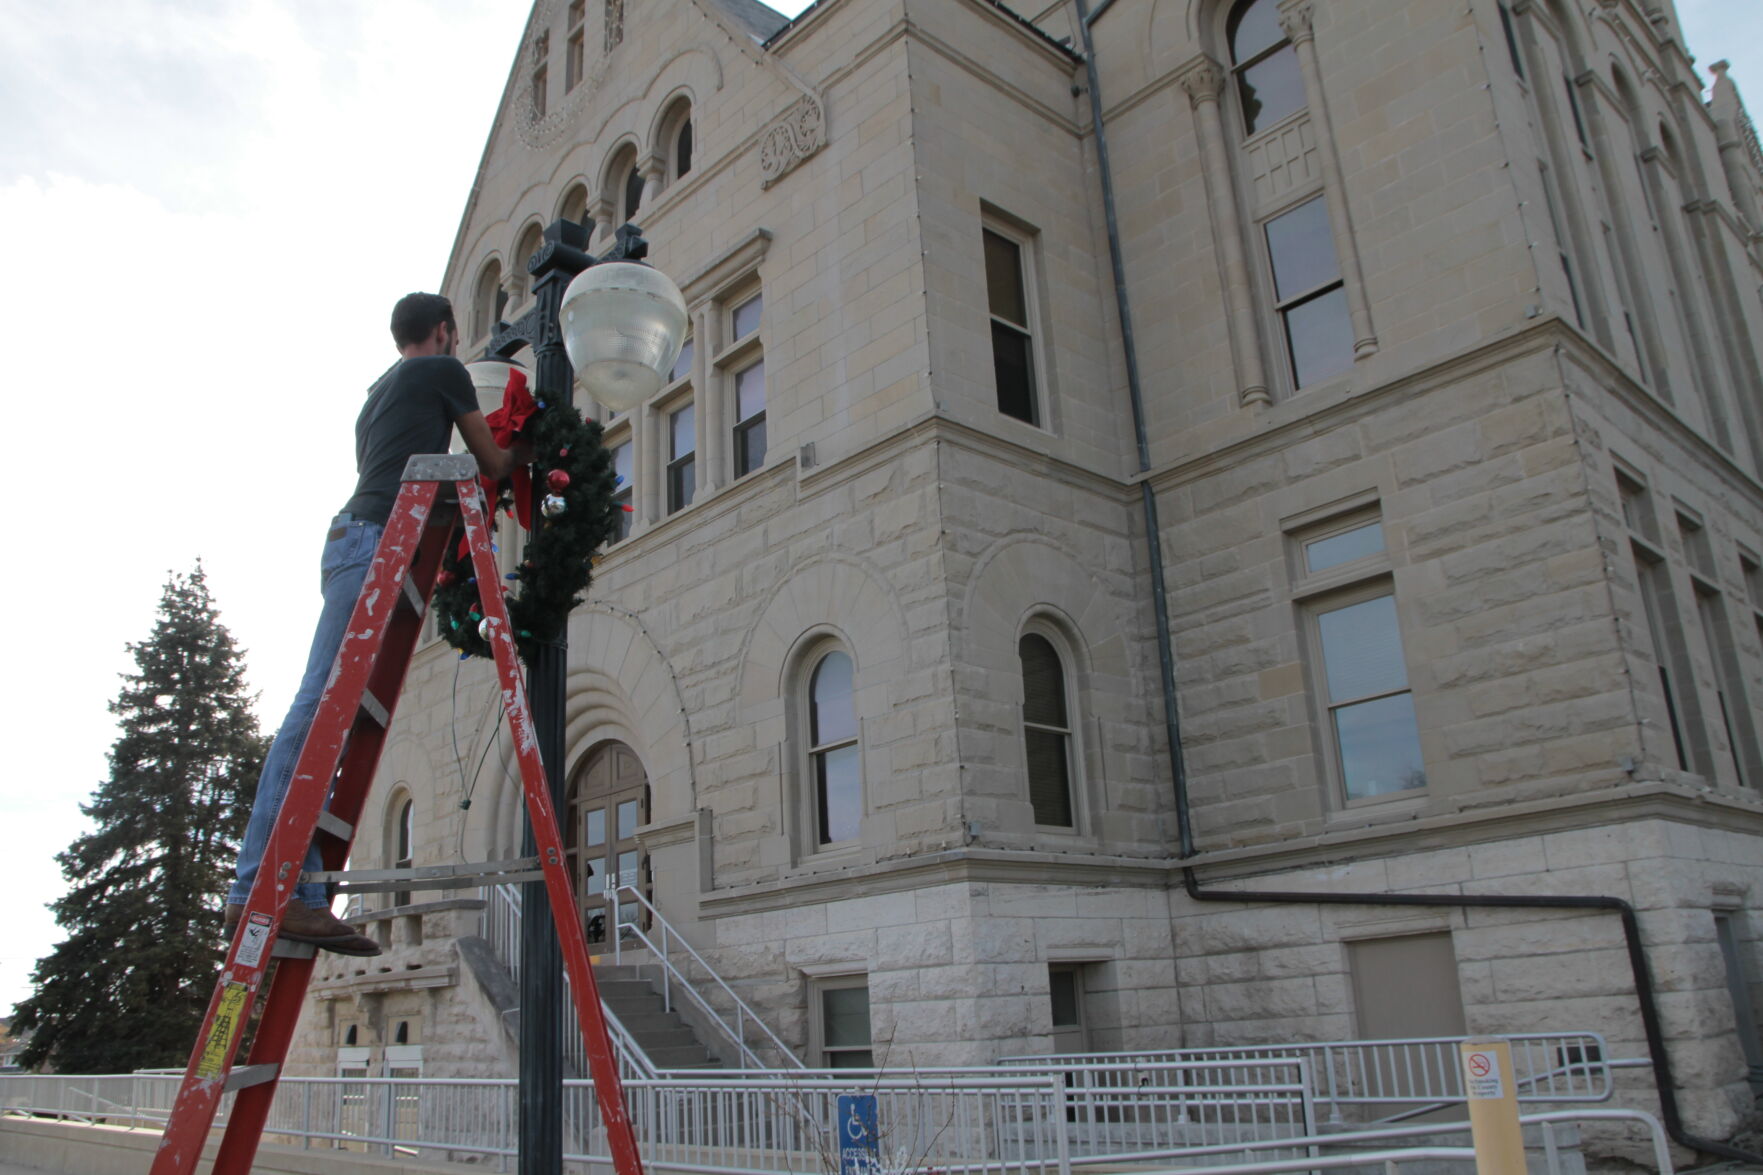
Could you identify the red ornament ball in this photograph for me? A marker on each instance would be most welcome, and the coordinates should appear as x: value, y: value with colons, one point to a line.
x: 558, y: 480
x: 443, y: 578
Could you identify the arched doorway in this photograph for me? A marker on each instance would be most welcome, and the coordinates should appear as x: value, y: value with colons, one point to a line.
x: 608, y: 802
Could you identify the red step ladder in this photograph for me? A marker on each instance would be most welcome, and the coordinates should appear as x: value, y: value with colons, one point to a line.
x: 345, y: 741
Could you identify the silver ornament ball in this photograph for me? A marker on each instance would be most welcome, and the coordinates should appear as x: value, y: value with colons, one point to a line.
x: 484, y: 628
x: 553, y: 505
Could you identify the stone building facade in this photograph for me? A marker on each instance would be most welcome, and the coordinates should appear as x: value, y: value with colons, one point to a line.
x: 1441, y: 403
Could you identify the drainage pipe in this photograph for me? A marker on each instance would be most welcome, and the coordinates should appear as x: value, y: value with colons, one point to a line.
x: 1147, y: 498
x: 1637, y: 959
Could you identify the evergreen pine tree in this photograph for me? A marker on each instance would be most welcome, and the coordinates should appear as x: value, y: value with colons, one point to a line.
x: 129, y: 985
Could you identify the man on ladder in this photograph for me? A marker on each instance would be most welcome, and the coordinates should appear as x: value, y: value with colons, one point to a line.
x: 411, y: 409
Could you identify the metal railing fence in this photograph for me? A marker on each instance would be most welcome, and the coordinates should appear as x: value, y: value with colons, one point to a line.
x: 501, y: 929
x: 960, y: 1122
x: 673, y: 976
x: 1400, y: 1078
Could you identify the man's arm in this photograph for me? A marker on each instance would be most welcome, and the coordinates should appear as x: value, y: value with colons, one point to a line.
x: 493, y: 461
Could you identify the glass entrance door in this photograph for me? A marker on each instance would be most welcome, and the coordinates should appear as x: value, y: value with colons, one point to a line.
x: 608, y: 802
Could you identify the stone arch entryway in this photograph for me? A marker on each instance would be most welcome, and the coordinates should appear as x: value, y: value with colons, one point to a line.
x: 607, y: 801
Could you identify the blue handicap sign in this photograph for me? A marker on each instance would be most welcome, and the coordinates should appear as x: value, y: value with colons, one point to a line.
x: 859, y: 1146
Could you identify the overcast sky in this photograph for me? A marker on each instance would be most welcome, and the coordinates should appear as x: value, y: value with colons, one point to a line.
x: 207, y: 208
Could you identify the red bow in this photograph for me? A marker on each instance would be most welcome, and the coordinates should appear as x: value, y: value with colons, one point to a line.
x: 518, y: 406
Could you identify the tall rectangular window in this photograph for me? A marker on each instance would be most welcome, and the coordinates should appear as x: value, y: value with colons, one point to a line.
x: 749, y: 418
x: 1370, y: 708
x: 841, y: 1023
x: 541, y: 73
x: 1007, y: 300
x: 623, y: 468
x: 1309, y: 294
x: 575, y: 53
x: 1359, y: 671
x: 682, y: 456
x: 1665, y: 628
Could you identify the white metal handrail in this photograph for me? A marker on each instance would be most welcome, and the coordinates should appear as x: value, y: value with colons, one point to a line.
x: 1417, y: 1074
x: 971, y: 1122
x: 501, y: 925
x: 736, y: 1034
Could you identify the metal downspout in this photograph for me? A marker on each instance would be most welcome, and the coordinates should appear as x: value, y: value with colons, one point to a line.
x: 1670, y: 1114
x: 1148, y: 500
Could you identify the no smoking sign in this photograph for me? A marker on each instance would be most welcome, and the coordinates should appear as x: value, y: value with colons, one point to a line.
x: 1481, y: 1074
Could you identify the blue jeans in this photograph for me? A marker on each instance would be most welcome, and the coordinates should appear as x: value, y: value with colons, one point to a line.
x: 342, y: 570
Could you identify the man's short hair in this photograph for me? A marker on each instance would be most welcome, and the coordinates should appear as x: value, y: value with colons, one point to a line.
x: 416, y: 316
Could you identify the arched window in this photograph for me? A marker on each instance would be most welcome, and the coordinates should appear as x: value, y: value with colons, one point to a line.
x: 1270, y: 85
x: 531, y: 238
x: 1295, y: 213
x: 835, y: 769
x: 488, y: 300
x: 632, y: 198
x: 1046, y: 731
x: 682, y: 147
x: 403, y: 843
x: 574, y: 207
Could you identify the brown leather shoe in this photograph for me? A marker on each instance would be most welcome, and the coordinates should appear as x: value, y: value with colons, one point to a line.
x: 230, y: 926
x: 325, y: 931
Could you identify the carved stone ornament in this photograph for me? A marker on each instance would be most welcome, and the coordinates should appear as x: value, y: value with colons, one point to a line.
x: 1203, y: 80
x: 791, y: 139
x: 532, y: 129
x: 1297, y: 20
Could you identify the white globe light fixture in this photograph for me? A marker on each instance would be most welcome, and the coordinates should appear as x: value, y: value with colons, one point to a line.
x: 623, y: 326
x: 489, y: 378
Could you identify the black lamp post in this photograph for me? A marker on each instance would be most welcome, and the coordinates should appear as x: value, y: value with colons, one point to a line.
x: 561, y: 257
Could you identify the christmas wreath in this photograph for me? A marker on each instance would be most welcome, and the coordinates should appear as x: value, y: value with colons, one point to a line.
x: 575, y: 518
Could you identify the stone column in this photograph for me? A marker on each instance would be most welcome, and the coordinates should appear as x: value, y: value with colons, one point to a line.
x: 649, y: 433
x: 1203, y: 79
x: 1296, y: 17
x: 654, y: 171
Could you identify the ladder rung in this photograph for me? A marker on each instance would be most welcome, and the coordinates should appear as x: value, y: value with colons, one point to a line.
x: 245, y: 1076
x: 375, y: 709
x: 338, y: 827
x: 284, y: 949
x: 515, y: 869
x: 413, y: 597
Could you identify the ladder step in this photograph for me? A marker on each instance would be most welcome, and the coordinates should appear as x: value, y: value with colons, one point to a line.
x: 515, y: 869
x: 284, y: 949
x: 245, y: 1076
x: 413, y: 597
x: 375, y: 709
x: 336, y: 826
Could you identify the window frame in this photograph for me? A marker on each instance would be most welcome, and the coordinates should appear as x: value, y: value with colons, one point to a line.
x: 801, y: 768
x: 673, y: 464
x: 1044, y: 627
x: 1282, y: 308
x: 575, y: 55
x: 1027, y: 243
x: 740, y: 353
x: 1343, y: 585
x: 817, y: 987
x: 1236, y: 69
x: 624, y: 493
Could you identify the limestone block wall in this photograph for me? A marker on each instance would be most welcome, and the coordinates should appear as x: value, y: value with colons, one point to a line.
x: 1252, y: 974
x: 958, y: 972
x: 1505, y: 619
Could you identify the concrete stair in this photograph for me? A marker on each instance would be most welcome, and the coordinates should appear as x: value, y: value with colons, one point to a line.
x: 636, y: 1000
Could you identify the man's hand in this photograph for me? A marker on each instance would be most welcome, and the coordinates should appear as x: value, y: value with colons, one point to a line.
x: 493, y: 461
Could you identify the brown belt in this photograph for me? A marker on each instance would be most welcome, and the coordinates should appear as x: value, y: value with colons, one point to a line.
x: 336, y: 533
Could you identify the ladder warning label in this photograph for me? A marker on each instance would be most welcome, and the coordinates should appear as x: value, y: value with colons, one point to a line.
x: 253, y: 937
x: 229, y: 1015
x: 1481, y: 1075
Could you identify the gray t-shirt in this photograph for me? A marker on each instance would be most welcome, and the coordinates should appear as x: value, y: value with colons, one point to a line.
x: 410, y: 410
